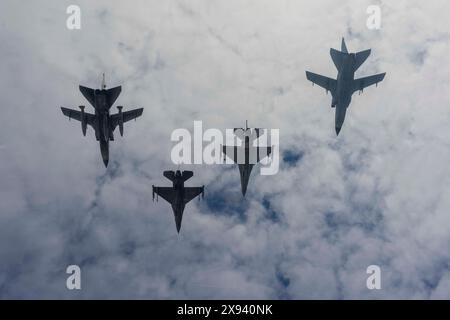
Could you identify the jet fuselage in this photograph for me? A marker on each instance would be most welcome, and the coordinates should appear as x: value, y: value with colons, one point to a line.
x: 343, y: 94
x: 103, y: 131
x: 246, y: 169
x: 178, y: 205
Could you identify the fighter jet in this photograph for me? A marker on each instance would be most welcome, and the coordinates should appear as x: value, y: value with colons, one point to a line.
x: 102, y: 122
x: 246, y: 156
x: 346, y: 84
x: 178, y: 195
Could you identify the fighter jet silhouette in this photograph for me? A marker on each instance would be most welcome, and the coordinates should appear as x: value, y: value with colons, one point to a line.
x: 178, y: 195
x: 102, y: 122
x: 247, y: 155
x: 343, y: 88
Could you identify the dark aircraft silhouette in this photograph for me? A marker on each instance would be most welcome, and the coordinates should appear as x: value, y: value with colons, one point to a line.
x: 246, y: 156
x: 343, y: 88
x: 178, y: 195
x: 102, y: 122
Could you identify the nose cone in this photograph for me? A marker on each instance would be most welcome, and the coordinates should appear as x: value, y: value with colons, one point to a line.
x: 338, y: 129
x: 244, y: 188
x: 104, y: 148
x: 178, y: 218
x: 245, y: 171
x: 178, y: 224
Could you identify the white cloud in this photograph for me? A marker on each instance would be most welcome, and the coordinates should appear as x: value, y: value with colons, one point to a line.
x: 375, y: 195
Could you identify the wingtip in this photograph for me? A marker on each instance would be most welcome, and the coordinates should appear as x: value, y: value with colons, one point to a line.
x: 308, y: 75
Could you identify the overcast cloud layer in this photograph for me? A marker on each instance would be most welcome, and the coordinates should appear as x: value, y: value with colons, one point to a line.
x: 377, y: 194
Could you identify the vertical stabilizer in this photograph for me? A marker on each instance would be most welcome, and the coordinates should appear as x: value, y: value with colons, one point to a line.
x: 103, y: 82
x: 343, y: 46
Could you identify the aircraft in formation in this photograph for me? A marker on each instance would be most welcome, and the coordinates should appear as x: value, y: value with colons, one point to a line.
x: 102, y: 122
x: 246, y: 155
x: 178, y: 195
x: 345, y: 85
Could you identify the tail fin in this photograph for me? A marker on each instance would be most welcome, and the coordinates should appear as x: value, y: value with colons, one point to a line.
x: 338, y: 56
x: 360, y: 57
x: 251, y: 133
x: 103, y: 82
x: 343, y: 46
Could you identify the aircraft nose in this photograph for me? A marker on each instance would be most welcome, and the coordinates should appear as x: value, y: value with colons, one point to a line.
x: 178, y: 223
x: 338, y: 129
x: 244, y: 190
x: 105, y: 161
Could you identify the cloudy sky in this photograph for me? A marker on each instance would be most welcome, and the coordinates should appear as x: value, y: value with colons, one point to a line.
x: 377, y: 194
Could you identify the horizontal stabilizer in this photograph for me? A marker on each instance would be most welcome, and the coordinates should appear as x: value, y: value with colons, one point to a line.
x: 169, y: 175
x: 360, y: 57
x: 112, y: 95
x: 89, y: 94
x: 187, y: 175
x: 337, y: 58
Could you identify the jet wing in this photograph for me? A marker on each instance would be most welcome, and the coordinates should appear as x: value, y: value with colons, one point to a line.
x: 256, y: 154
x: 75, y: 114
x: 132, y: 114
x: 167, y: 193
x: 127, y: 116
x: 230, y: 152
x: 191, y: 192
x: 263, y: 152
x: 361, y: 83
x: 325, y: 82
